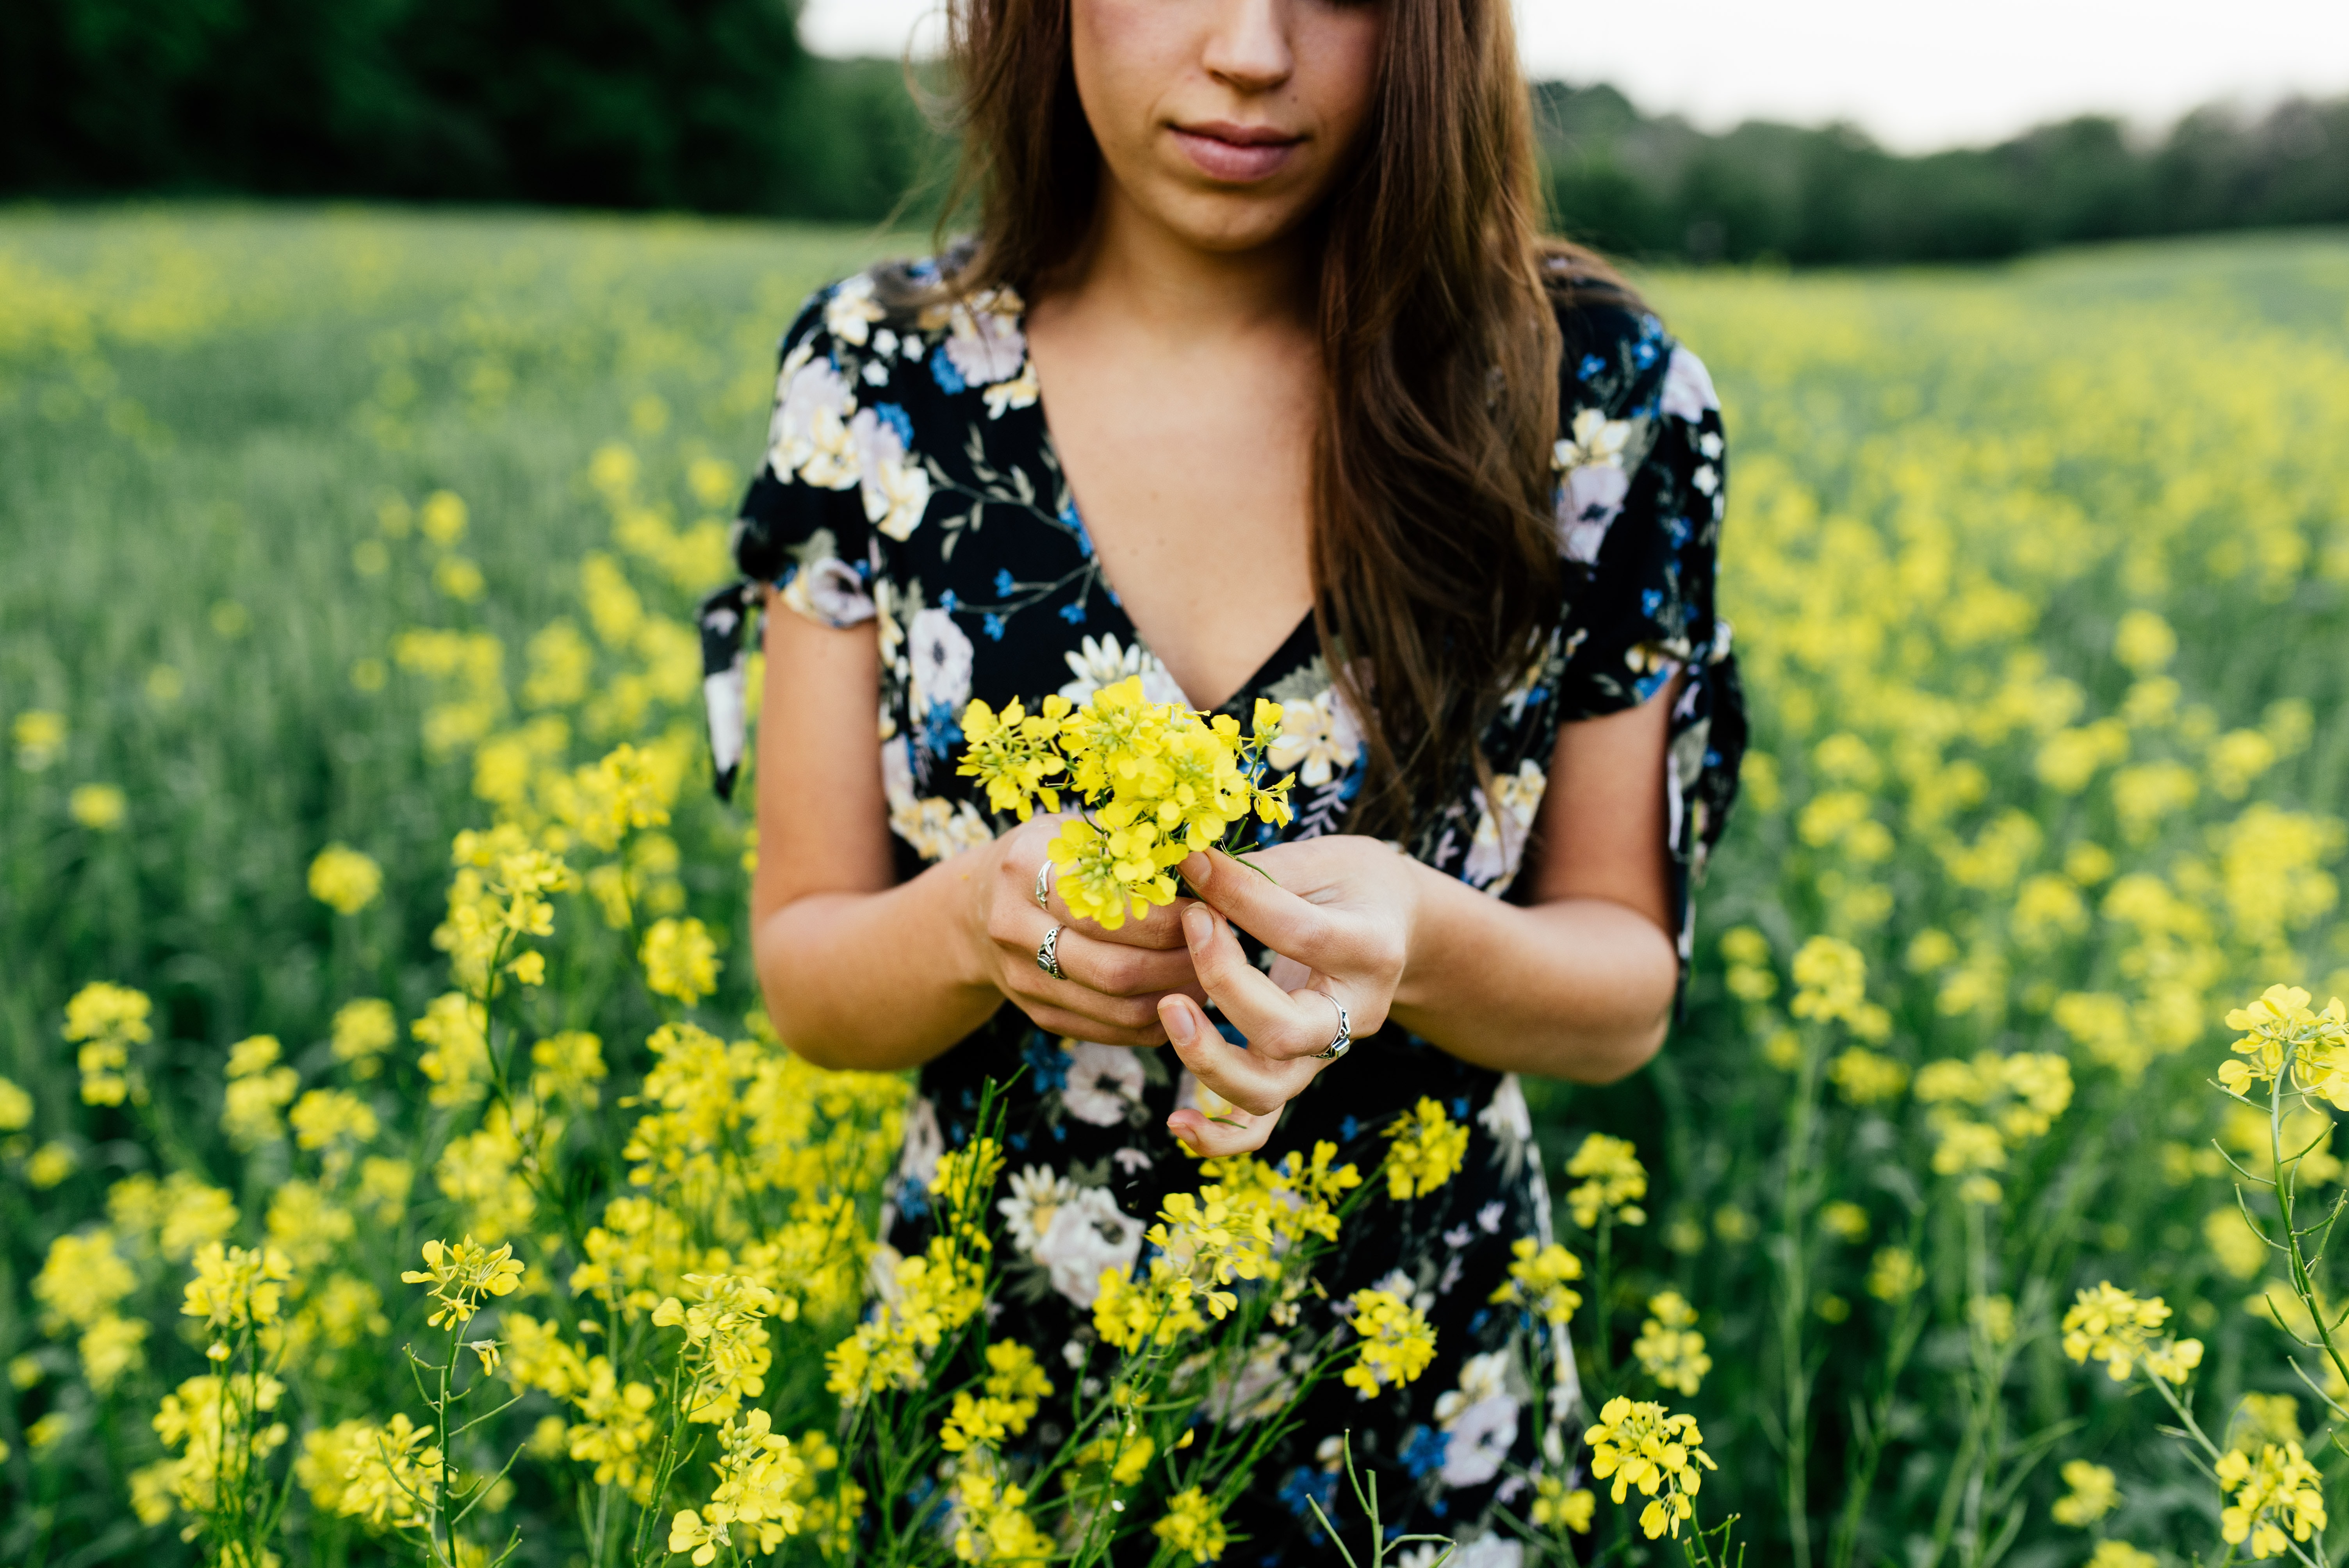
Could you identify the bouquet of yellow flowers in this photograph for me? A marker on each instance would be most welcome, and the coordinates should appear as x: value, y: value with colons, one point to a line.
x: 1153, y: 782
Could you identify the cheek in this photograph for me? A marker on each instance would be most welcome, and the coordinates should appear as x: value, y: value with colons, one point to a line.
x: 1125, y: 54
x: 1337, y: 63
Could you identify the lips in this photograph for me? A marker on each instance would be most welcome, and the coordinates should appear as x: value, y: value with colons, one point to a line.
x: 1237, y: 154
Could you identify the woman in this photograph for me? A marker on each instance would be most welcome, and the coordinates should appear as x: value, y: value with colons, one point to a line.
x: 1328, y: 425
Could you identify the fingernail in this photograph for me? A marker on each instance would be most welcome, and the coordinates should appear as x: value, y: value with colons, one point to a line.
x: 1197, y: 926
x: 1198, y: 868
x: 1179, y: 1027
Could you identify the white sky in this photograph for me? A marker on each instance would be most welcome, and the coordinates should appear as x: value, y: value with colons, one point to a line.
x: 1916, y: 73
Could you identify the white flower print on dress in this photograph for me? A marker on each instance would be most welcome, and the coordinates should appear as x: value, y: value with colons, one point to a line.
x: 1017, y: 393
x: 808, y: 440
x: 851, y: 310
x: 1103, y: 1081
x: 827, y: 588
x: 1190, y: 1094
x: 942, y: 658
x: 1037, y: 1195
x: 923, y: 1144
x: 1098, y: 662
x: 1260, y: 1388
x: 935, y: 827
x: 1493, y: 1551
x: 1508, y: 1116
x: 1088, y: 1234
x: 1688, y: 388
x: 1499, y: 846
x: 1319, y: 740
x: 896, y: 491
x: 1591, y: 496
x: 983, y: 342
x: 1481, y: 1437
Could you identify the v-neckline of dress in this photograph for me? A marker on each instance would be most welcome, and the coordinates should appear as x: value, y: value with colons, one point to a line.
x: 1291, y: 651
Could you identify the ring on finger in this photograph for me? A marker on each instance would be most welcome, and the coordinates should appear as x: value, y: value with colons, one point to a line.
x: 1044, y: 885
x: 1048, y: 952
x: 1343, y: 1041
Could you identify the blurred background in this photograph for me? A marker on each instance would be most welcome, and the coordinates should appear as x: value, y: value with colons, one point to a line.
x: 1827, y: 131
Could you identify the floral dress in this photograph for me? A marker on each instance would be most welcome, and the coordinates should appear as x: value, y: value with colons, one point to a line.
x: 910, y: 484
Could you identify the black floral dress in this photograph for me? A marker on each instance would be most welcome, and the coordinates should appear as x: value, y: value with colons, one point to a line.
x: 910, y: 484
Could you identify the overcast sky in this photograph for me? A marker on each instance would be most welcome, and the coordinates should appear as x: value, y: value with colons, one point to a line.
x: 1916, y: 73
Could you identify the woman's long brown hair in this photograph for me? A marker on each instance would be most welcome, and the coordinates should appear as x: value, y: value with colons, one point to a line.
x: 1435, y: 548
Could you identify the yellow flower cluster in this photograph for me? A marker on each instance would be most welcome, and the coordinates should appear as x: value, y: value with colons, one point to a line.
x: 259, y: 1088
x: 680, y: 959
x: 236, y: 1288
x: 1193, y: 1526
x: 2011, y: 1098
x: 1396, y: 1343
x: 497, y: 901
x: 1612, y: 1182
x: 388, y: 1476
x: 462, y: 1276
x: 1831, y: 983
x: 344, y: 879
x: 993, y: 1524
x: 1212, y: 1240
x: 220, y: 1426
x: 726, y: 1334
x: 1426, y: 1149
x: 930, y: 1296
x: 82, y: 1282
x: 106, y: 1021
x: 1644, y: 1446
x: 2091, y: 1494
x: 1538, y: 1280
x: 759, y: 1478
x: 2278, y: 1028
x: 2267, y: 1497
x: 1005, y: 1404
x: 1156, y: 782
x: 1557, y: 1506
x: 2123, y: 1331
x: 1669, y: 1348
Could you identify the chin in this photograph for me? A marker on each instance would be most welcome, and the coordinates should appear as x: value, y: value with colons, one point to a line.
x: 1229, y: 224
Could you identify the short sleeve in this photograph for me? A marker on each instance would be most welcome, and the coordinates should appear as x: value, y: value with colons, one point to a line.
x: 1642, y: 474
x: 804, y: 524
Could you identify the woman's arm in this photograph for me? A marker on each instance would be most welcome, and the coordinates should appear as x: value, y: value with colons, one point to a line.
x: 859, y: 972
x: 1578, y: 983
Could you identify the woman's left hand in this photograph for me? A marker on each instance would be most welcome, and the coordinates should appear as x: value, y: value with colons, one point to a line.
x: 1339, y: 917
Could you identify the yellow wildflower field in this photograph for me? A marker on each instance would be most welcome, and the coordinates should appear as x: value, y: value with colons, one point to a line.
x: 394, y: 1165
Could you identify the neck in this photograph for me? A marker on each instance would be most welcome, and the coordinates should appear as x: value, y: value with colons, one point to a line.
x: 1158, y: 281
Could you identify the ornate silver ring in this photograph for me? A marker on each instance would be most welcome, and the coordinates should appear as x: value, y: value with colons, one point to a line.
x: 1048, y: 954
x: 1344, y: 1040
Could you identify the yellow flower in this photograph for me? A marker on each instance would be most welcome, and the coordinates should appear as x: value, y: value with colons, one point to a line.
x: 81, y: 1280
x: 1669, y: 1348
x: 1538, y: 1280
x: 1893, y: 1274
x: 237, y: 1287
x: 2280, y: 1027
x: 2120, y: 1329
x: 108, y: 1020
x: 1644, y: 1446
x: 16, y: 1107
x: 2121, y: 1554
x: 98, y: 806
x: 461, y: 1275
x: 40, y: 737
x: 1830, y: 980
x: 680, y: 959
x: 1193, y: 1524
x: 2092, y: 1496
x: 1559, y: 1507
x: 1396, y: 1343
x: 2278, y: 1492
x: 1614, y: 1180
x: 1426, y: 1150
x: 363, y: 1030
x: 344, y: 879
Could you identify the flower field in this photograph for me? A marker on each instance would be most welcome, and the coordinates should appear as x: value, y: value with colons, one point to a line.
x: 395, y: 1166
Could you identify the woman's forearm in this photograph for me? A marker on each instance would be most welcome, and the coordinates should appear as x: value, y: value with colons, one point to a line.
x: 876, y: 981
x: 1576, y: 988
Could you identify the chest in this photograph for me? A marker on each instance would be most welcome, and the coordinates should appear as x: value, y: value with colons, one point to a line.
x: 1193, y: 473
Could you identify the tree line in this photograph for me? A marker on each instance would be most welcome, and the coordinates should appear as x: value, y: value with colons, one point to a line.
x: 713, y: 106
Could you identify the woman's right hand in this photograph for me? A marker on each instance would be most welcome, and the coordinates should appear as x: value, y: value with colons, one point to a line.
x: 1113, y: 979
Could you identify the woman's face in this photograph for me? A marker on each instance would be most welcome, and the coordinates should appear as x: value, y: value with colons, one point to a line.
x: 1224, y: 121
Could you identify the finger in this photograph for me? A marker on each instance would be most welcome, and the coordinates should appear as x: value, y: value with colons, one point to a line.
x: 1157, y: 926
x: 1280, y: 1026
x: 1078, y: 1025
x: 1256, y: 1085
x: 1266, y: 910
x: 1235, y: 1132
x: 1114, y: 970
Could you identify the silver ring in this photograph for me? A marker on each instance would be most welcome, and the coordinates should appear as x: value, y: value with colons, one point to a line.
x: 1345, y: 1038
x: 1048, y: 954
x: 1044, y: 885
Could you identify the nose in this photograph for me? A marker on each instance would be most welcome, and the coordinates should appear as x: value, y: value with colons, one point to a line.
x: 1247, y: 49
